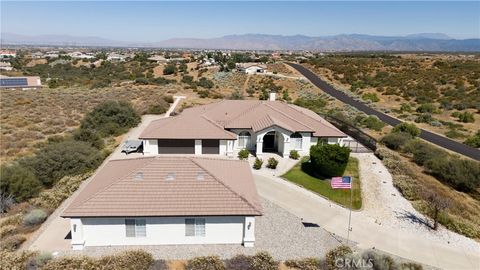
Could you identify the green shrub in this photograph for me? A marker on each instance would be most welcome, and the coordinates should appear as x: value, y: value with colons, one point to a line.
x: 205, y: 83
x: 315, y: 104
x: 257, y: 165
x: 424, y: 118
x: 423, y: 151
x: 12, y: 242
x: 205, y: 263
x: 371, y: 97
x: 89, y: 136
x: 304, y: 264
x: 427, y: 108
x: 294, y: 154
x: 42, y: 258
x: 405, y: 107
x: 329, y: 159
x: 396, y: 140
x: 335, y: 254
x: 19, y: 182
x: 272, y: 163
x: 156, y: 109
x: 34, y: 217
x: 461, y: 174
x: 111, y: 118
x: 239, y: 262
x: 168, y: 98
x: 372, y: 122
x: 466, y: 117
x: 56, y: 160
x: 408, y: 128
x: 169, y: 69
x: 473, y: 141
x: 243, y: 154
x: 264, y: 261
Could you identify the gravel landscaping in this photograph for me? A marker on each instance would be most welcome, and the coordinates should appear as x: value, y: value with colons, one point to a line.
x: 278, y: 232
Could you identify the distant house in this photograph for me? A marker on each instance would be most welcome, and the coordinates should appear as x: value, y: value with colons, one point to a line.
x: 24, y: 83
x: 226, y: 127
x: 115, y: 57
x: 158, y: 58
x: 7, y: 54
x: 81, y: 55
x: 37, y: 55
x: 251, y: 68
x: 6, y: 66
x: 166, y: 201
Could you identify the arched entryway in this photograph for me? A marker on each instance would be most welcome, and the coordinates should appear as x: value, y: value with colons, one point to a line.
x: 270, y: 142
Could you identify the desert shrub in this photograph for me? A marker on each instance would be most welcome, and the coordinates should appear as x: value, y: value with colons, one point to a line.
x: 79, y: 263
x: 466, y: 117
x: 168, y: 98
x: 239, y: 262
x: 56, y: 160
x: 405, y: 107
x: 380, y: 262
x: 408, y: 128
x: 462, y: 174
x: 423, y: 151
x: 328, y: 159
x: 335, y: 254
x: 15, y: 219
x: 205, y: 263
x: 34, y: 217
x: 160, y: 265
x: 396, y: 140
x: 371, y: 97
x: 156, y: 109
x: 42, y: 258
x: 111, y: 118
x: 19, y: 182
x: 410, y: 266
x: 294, y: 154
x: 128, y: 260
x: 424, y: 118
x: 315, y: 104
x: 15, y: 260
x: 243, y: 154
x: 89, y: 136
x: 169, y: 69
x: 187, y: 79
x: 12, y: 242
x: 257, y: 165
x: 372, y: 122
x: 473, y: 141
x: 304, y: 264
x: 263, y: 261
x: 272, y: 163
x: 205, y: 83
x: 7, y: 230
x: 427, y: 108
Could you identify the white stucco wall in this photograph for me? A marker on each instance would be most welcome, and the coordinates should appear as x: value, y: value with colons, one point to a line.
x: 198, y: 147
x: 163, y: 231
x: 150, y: 147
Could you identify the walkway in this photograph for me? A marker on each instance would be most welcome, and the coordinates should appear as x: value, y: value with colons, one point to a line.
x: 174, y: 105
x: 426, y: 135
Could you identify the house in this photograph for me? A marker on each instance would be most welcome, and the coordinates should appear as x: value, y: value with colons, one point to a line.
x: 166, y: 201
x: 251, y: 68
x: 6, y: 66
x: 158, y: 59
x: 81, y: 55
x: 24, y: 83
x: 5, y: 54
x: 228, y: 126
x: 115, y: 57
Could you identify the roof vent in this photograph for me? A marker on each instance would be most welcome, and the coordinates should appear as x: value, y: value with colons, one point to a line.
x: 201, y: 176
x: 170, y: 176
x: 138, y: 176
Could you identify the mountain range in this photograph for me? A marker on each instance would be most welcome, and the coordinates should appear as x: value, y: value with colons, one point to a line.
x: 344, y: 42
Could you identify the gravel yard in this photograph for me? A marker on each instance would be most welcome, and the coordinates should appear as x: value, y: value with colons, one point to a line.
x: 278, y: 232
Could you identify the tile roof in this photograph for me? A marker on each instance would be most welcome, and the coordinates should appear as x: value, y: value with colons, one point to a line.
x: 233, y: 114
x: 168, y: 186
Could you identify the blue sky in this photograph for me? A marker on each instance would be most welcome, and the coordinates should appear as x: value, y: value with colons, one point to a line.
x: 155, y: 21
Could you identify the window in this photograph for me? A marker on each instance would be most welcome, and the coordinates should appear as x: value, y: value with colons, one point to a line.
x: 135, y: 227
x: 296, y: 140
x: 244, y: 139
x: 194, y: 227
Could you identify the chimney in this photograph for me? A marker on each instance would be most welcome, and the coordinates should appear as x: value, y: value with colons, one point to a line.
x: 272, y: 96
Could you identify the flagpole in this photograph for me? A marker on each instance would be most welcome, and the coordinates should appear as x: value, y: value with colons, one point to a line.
x: 350, y: 214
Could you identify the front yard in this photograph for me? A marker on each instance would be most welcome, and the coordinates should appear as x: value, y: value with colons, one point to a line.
x: 323, y: 188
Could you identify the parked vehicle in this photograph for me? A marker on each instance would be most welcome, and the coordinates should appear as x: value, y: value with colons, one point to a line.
x: 132, y: 146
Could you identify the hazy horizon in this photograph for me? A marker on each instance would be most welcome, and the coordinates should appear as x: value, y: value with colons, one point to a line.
x: 157, y: 21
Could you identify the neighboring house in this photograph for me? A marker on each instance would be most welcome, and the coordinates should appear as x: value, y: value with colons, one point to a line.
x: 159, y: 59
x: 166, y: 201
x: 5, y: 54
x: 115, y: 57
x: 80, y: 55
x: 6, y: 66
x: 251, y: 68
x: 228, y: 126
x: 24, y: 83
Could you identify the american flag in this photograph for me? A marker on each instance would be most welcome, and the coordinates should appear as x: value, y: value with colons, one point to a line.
x: 344, y: 182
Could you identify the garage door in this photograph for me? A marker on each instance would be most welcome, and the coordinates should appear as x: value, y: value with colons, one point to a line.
x: 172, y: 146
x: 211, y: 147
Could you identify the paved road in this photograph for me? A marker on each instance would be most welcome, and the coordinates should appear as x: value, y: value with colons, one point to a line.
x: 426, y: 135
x: 333, y: 218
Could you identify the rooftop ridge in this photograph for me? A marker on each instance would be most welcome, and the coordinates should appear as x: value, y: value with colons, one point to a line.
x: 217, y: 125
x: 312, y: 117
x: 227, y: 186
x: 288, y: 116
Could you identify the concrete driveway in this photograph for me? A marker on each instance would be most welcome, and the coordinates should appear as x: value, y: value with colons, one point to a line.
x: 365, y: 232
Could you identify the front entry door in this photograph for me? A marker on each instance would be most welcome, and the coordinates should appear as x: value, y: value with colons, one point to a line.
x: 269, y: 142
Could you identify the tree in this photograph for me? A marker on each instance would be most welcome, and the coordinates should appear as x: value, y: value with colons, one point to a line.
x: 18, y: 182
x: 205, y: 83
x: 169, y: 69
x: 436, y: 204
x: 58, y: 159
x: 111, y: 118
x: 329, y: 159
x: 408, y: 128
x: 89, y: 136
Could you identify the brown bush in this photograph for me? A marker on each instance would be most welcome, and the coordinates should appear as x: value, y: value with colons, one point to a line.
x: 205, y: 263
x: 12, y: 242
x: 15, y: 260
x: 304, y: 264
